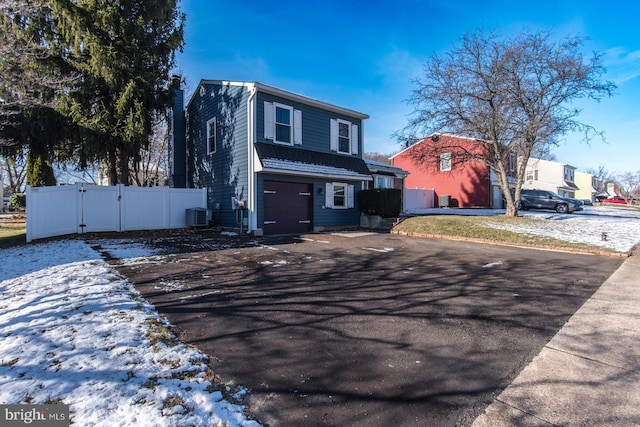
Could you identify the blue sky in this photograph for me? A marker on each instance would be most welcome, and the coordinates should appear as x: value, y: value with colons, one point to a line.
x: 363, y: 55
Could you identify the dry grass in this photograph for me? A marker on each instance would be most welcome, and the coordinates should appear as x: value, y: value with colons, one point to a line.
x: 477, y: 228
x: 13, y: 231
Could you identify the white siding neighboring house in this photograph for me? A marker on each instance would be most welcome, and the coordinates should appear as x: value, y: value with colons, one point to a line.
x: 586, y: 186
x: 551, y: 176
x: 613, y: 190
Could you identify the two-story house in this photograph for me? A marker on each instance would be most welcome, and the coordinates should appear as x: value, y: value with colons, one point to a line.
x: 272, y: 161
x: 456, y: 183
x: 551, y: 176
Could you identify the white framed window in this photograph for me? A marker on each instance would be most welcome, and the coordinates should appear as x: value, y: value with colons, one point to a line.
x: 211, y: 136
x: 339, y: 195
x: 282, y: 123
x: 384, y: 182
x: 344, y: 136
x: 445, y: 161
x: 512, y: 162
x: 568, y: 174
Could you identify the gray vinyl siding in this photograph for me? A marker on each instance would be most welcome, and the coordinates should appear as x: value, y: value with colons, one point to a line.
x: 316, y: 124
x: 322, y: 217
x: 225, y: 172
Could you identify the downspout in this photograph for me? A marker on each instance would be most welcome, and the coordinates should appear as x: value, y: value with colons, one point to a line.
x: 252, y: 217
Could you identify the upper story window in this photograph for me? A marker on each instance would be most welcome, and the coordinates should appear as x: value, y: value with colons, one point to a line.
x: 568, y: 174
x: 344, y: 136
x: 512, y: 162
x: 282, y: 123
x: 211, y: 136
x: 532, y: 175
x: 445, y: 161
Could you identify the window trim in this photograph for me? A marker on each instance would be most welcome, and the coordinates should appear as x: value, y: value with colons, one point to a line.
x: 209, y: 136
x: 386, y: 184
x: 348, y: 195
x: 343, y: 186
x: 569, y: 174
x: 348, y: 139
x: 445, y: 162
x: 512, y: 162
x: 270, y: 124
x: 335, y: 138
x: 277, y: 105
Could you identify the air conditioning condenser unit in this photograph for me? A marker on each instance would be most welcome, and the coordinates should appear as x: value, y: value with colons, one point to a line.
x: 196, y: 217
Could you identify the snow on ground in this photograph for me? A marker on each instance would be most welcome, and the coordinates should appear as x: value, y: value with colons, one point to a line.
x: 620, y: 225
x: 73, y: 331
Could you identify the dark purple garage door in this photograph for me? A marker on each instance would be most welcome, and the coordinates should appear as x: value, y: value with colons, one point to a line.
x: 288, y: 207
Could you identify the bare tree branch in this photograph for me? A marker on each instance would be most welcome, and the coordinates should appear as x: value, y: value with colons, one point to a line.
x: 513, y: 95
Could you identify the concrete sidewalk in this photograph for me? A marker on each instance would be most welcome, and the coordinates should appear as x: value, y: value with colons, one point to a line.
x: 589, y: 373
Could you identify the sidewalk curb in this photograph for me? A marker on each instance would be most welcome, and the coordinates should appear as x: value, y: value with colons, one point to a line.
x: 589, y: 373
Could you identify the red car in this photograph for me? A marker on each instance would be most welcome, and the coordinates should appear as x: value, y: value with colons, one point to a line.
x: 616, y: 199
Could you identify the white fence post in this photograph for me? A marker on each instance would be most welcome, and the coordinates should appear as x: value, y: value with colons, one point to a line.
x: 29, y: 215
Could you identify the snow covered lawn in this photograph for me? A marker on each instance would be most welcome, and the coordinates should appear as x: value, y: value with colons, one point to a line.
x: 621, y: 226
x: 73, y: 331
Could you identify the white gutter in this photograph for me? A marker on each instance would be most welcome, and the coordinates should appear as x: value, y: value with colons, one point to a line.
x: 252, y: 216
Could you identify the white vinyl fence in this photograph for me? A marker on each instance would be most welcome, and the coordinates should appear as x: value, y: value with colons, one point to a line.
x: 418, y: 198
x: 82, y: 208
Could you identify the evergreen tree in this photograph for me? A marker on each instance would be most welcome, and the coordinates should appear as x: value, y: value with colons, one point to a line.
x: 82, y: 79
x: 124, y: 51
x: 33, y: 75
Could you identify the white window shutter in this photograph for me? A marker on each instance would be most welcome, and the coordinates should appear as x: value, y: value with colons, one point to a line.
x: 269, y: 121
x: 297, y: 127
x: 350, y: 196
x: 354, y: 139
x: 334, y: 135
x: 328, y: 195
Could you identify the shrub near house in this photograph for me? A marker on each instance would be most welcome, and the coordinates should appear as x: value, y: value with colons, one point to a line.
x: 385, y: 202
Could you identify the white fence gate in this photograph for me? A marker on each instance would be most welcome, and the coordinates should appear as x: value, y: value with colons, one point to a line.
x: 82, y: 208
x: 418, y: 198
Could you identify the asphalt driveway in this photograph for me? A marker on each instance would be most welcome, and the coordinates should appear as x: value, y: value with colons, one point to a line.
x: 371, y: 329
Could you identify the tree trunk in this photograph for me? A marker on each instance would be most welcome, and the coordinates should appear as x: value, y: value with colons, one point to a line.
x: 123, y: 168
x: 113, y: 172
x: 39, y: 168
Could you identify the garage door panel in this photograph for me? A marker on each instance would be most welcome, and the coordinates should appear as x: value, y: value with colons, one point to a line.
x: 288, y: 207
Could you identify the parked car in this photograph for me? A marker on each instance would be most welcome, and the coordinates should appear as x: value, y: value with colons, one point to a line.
x: 615, y: 199
x: 587, y: 202
x: 579, y: 204
x: 543, y: 199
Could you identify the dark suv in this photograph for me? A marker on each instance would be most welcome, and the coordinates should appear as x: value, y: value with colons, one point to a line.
x: 543, y: 199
